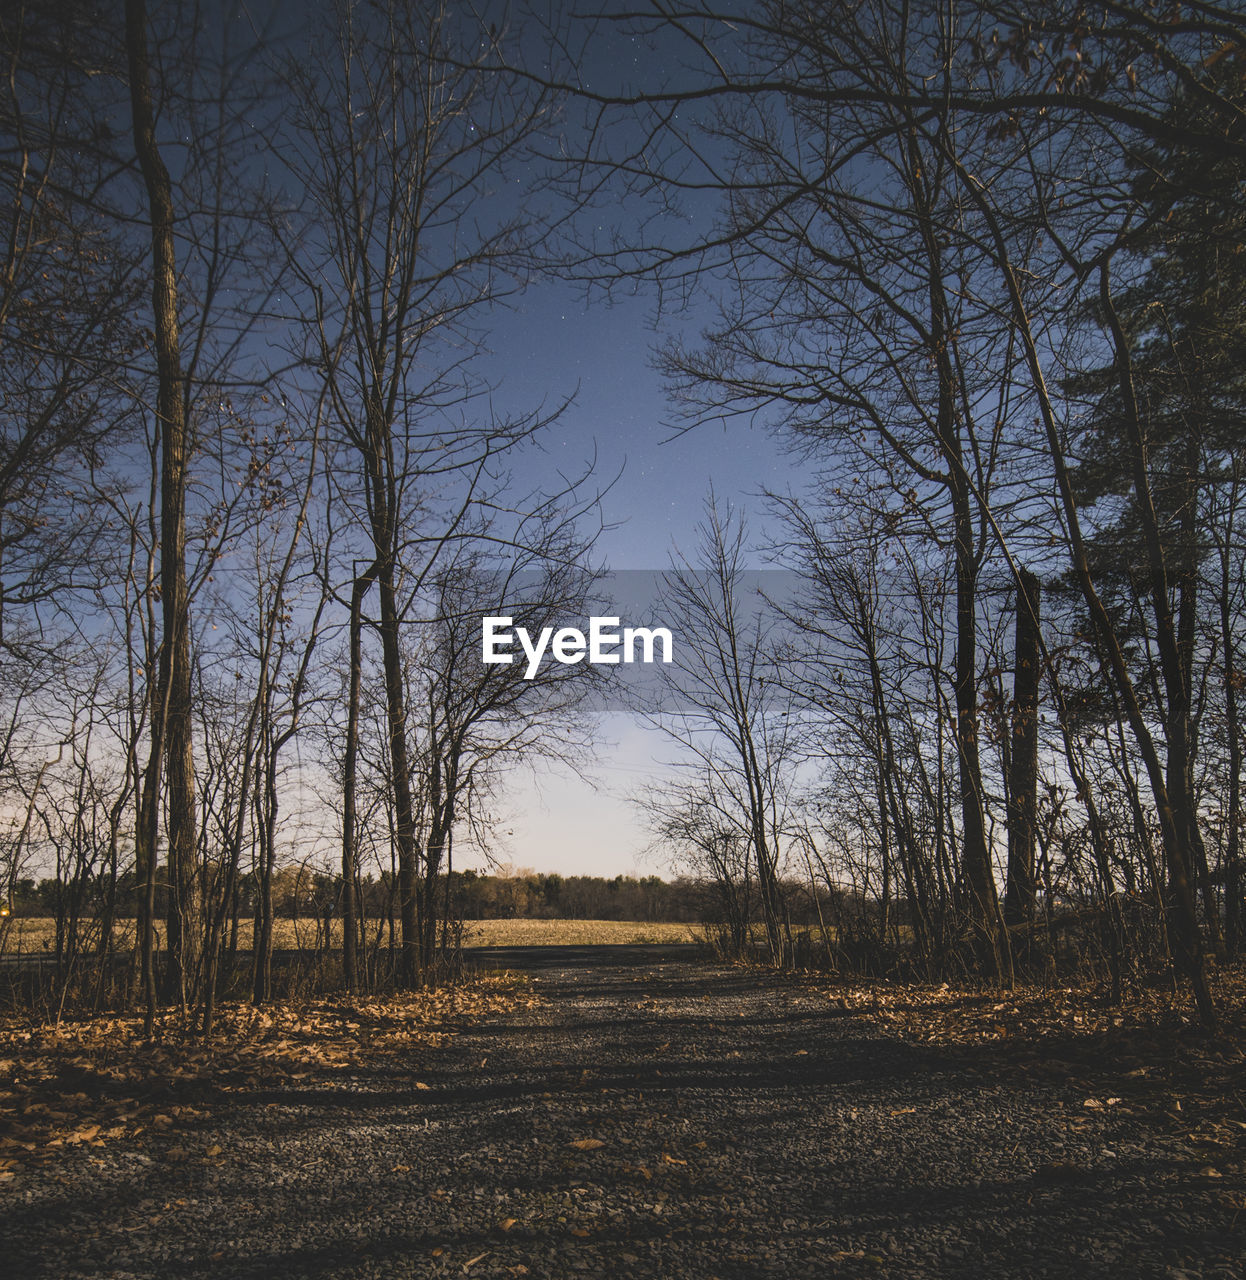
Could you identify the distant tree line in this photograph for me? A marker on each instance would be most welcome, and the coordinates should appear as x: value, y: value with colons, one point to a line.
x: 300, y: 893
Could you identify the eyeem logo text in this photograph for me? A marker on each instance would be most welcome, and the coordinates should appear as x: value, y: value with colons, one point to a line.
x: 569, y: 644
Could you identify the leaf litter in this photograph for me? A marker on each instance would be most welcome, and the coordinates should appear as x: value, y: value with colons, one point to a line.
x: 97, y: 1079
x: 1145, y: 1054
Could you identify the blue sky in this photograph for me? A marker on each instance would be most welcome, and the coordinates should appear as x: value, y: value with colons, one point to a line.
x: 554, y: 340
x: 551, y: 342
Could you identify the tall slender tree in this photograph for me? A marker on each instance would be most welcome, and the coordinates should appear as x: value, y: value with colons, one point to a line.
x: 172, y: 725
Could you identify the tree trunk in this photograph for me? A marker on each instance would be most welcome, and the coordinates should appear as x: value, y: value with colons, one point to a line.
x: 175, y: 670
x: 1023, y: 757
x: 991, y: 944
x: 146, y: 826
x: 1232, y: 853
x: 442, y: 783
x: 350, y: 925
x: 1187, y: 625
x: 1178, y: 819
x: 400, y: 766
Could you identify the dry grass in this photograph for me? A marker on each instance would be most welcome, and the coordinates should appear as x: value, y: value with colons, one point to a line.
x: 573, y: 933
x: 38, y: 934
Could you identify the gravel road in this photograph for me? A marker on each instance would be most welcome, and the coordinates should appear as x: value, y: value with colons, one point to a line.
x: 728, y: 1127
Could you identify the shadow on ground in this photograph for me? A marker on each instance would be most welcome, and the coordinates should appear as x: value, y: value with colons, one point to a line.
x: 652, y: 1117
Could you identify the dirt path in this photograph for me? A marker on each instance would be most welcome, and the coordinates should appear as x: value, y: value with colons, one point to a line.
x: 726, y: 1129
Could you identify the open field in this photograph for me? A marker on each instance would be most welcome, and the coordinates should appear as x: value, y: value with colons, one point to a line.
x: 38, y: 934
x: 574, y: 933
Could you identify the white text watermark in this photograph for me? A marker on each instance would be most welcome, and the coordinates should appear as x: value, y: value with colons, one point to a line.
x: 604, y: 645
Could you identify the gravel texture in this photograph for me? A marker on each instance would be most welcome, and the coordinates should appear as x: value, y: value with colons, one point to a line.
x: 730, y: 1126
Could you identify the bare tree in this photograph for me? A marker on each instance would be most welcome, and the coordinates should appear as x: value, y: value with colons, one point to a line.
x: 400, y: 133
x: 720, y: 700
x: 480, y: 721
x: 691, y: 822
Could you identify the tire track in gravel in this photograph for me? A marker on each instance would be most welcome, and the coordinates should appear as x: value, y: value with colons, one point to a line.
x: 730, y: 1127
